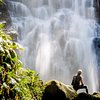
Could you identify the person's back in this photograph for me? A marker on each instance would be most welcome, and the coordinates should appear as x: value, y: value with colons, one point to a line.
x: 77, y: 81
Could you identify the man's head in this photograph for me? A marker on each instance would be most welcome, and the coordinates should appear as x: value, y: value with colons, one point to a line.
x: 79, y: 71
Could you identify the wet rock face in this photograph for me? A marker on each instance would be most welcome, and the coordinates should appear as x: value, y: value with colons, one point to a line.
x: 97, y: 40
x: 4, y: 15
x: 97, y: 50
x: 97, y: 9
x: 96, y: 43
x: 5, y: 19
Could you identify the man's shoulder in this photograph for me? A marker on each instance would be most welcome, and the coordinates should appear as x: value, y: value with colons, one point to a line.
x: 77, y: 76
x: 74, y: 76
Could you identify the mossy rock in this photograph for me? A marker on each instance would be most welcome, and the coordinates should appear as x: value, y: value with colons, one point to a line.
x: 55, y: 90
x: 96, y: 94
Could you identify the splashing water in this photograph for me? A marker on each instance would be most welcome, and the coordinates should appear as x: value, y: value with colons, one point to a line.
x: 57, y: 36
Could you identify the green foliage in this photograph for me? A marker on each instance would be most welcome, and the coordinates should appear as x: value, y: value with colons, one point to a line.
x: 1, y: 2
x: 2, y: 26
x: 16, y: 83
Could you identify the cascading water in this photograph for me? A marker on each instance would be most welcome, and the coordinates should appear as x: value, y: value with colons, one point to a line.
x: 57, y: 36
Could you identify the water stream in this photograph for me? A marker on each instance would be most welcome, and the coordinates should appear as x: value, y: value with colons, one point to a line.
x: 57, y: 36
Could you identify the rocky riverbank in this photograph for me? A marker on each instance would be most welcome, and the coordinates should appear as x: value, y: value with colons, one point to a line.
x: 55, y: 90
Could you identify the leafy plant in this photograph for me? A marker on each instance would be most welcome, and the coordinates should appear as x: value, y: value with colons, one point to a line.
x: 1, y: 1
x: 16, y: 83
x: 2, y: 26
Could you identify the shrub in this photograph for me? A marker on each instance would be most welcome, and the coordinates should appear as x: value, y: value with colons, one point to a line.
x: 16, y: 83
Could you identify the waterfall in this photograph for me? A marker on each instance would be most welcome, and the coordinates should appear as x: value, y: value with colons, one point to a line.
x: 57, y: 36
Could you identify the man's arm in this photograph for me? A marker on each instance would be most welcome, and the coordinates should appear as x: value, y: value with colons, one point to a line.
x: 82, y: 83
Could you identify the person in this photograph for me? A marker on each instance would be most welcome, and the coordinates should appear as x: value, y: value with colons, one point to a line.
x: 77, y: 81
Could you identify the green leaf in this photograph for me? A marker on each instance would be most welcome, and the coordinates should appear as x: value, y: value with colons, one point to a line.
x: 19, y: 46
x: 1, y: 2
x: 8, y: 66
x: 12, y: 81
x: 17, y: 89
x: 1, y: 49
x: 2, y: 26
x: 5, y: 85
x: 13, y: 54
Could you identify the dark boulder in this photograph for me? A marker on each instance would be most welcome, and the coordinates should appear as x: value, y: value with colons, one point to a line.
x: 55, y: 90
x: 97, y: 9
x: 85, y: 96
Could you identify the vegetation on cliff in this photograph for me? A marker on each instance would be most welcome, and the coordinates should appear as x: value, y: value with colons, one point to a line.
x: 1, y: 1
x: 16, y: 83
